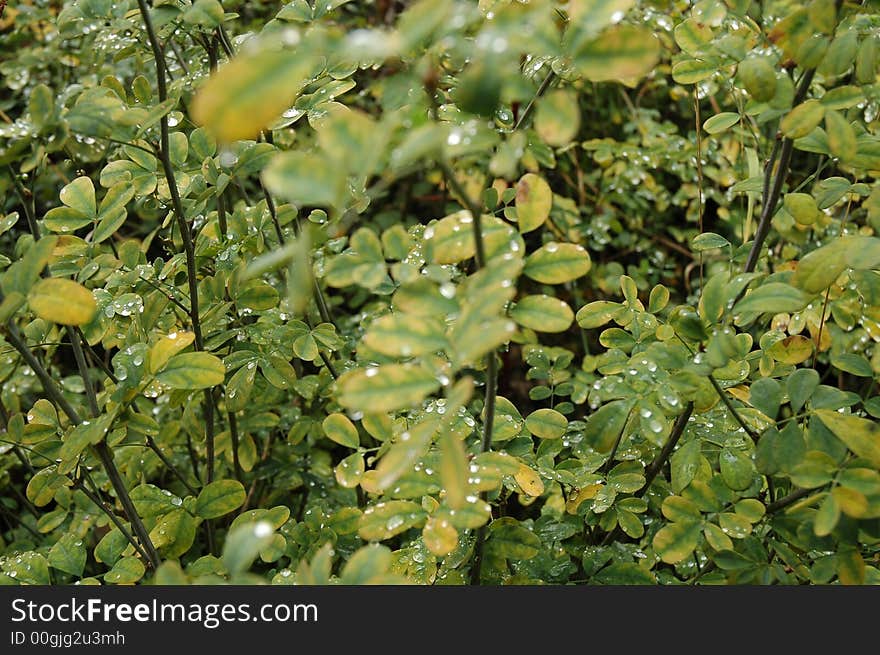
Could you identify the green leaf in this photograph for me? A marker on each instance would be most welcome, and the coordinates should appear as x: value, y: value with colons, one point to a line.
x: 65, y: 219
x: 803, y: 119
x: 386, y: 519
x: 219, y: 498
x: 409, y: 447
x: 546, y: 424
x: 251, y: 91
x: 79, y: 195
x: 800, y: 386
x: 350, y: 470
x: 305, y: 179
x: 542, y: 313
x: 453, y: 470
x: 127, y: 570
x: 622, y: 52
x: 206, y: 13
x: 402, y: 335
x: 598, y: 313
x: 111, y: 546
x: 841, y: 54
x: 68, y: 554
x: 174, y: 533
x: 367, y: 565
x: 41, y: 487
x: 474, y: 336
x: 758, y: 77
x: 244, y: 542
x: 62, y: 301
x: 440, y: 536
x: 257, y: 296
x: 385, y: 388
x: 862, y: 436
x: 691, y: 71
x: 557, y: 263
x: 27, y: 568
x: 534, y: 198
x: 730, y: 560
x: 723, y: 121
x: 773, y: 297
x: 509, y: 539
x: 337, y: 427
x: 198, y: 370
x: 108, y: 224
x: 677, y: 541
x: 684, y: 464
x: 708, y: 241
x: 737, y: 469
x: 605, y: 424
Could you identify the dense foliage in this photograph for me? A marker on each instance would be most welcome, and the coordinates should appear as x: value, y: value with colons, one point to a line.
x: 441, y: 291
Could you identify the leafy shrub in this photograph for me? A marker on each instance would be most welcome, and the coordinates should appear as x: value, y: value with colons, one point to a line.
x: 441, y: 292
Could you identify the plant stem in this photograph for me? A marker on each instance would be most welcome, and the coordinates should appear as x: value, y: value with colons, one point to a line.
x: 233, y: 436
x: 168, y: 170
x: 654, y: 468
x: 151, y: 443
x: 773, y: 191
x: 185, y: 231
x: 103, y: 452
x: 491, y: 362
x: 790, y: 499
x: 105, y: 455
x: 551, y: 77
x: 730, y: 408
x: 664, y: 454
x: 26, y: 206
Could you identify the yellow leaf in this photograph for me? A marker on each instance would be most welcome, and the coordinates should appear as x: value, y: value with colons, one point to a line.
x: 62, y: 301
x: 529, y: 481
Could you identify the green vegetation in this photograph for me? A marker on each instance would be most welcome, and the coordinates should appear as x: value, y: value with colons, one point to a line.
x: 441, y: 292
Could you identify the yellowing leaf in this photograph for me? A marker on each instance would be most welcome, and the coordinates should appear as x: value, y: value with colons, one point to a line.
x: 534, y: 199
x: 385, y: 388
x: 79, y: 195
x: 384, y: 520
x: 542, y: 313
x: 404, y: 453
x: 841, y: 136
x: 862, y: 436
x: 337, y: 427
x: 451, y: 239
x: 557, y: 263
x: 803, y: 119
x: 403, y: 335
x: 249, y: 92
x: 558, y: 117
x: 440, y: 536
x: 677, y: 541
x: 306, y: 178
x: 168, y: 346
x: 621, y: 52
x: 62, y: 301
x: 219, y: 498
x: 529, y: 481
x: 546, y: 423
x: 197, y: 370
